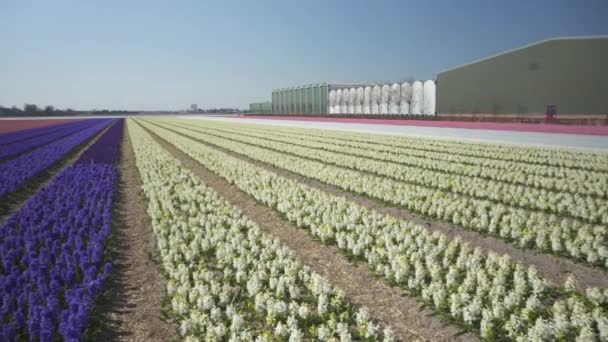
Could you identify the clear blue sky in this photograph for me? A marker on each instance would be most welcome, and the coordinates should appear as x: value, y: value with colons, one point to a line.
x: 167, y: 54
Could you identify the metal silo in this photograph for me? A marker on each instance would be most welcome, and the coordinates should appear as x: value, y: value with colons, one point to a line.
x: 394, y: 99
x: 338, y: 101
x: 359, y: 100
x: 352, y: 98
x: 376, y: 95
x: 332, y: 101
x: 294, y: 100
x: 417, y: 98
x: 428, y: 98
x: 344, y: 105
x: 300, y: 101
x: 384, y: 95
x: 367, y: 100
x: 406, y: 98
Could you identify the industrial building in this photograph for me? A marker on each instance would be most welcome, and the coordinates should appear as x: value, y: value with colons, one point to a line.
x: 374, y: 98
x: 261, y: 107
x: 308, y: 99
x: 570, y: 73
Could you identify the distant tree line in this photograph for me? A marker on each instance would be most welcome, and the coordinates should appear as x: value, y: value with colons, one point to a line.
x: 34, y: 110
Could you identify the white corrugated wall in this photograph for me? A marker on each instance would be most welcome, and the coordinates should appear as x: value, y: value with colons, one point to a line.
x: 339, y: 100
x: 428, y: 99
x: 352, y: 97
x: 406, y: 98
x: 384, y: 95
x: 417, y: 98
x: 359, y: 101
x: 394, y: 99
x: 376, y: 95
x: 367, y: 100
x: 332, y: 102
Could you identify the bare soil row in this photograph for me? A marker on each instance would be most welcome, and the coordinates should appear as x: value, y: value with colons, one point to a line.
x: 132, y: 306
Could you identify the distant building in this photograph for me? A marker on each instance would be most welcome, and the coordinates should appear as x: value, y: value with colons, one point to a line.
x: 261, y: 107
x: 194, y: 107
x: 570, y: 73
x: 308, y: 99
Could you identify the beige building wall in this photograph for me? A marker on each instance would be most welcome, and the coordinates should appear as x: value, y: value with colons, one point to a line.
x: 571, y: 73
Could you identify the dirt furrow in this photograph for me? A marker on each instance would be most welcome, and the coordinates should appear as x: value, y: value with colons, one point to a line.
x: 131, y: 309
x: 553, y: 268
x: 387, y: 304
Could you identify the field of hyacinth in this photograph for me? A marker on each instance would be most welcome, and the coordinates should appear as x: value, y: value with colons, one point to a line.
x: 52, y: 248
x: 497, y: 242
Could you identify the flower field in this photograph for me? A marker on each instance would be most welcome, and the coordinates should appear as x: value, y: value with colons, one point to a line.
x: 494, y: 242
x: 52, y: 248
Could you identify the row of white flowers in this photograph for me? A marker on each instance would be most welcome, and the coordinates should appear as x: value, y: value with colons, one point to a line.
x: 584, y: 165
x: 483, y: 291
x: 570, y: 238
x: 538, y: 157
x: 226, y: 279
x: 575, y: 182
x: 588, y: 208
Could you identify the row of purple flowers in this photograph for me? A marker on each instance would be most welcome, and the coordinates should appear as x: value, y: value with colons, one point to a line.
x: 52, y: 250
x: 13, y: 137
x: 15, y: 172
x: 43, y: 139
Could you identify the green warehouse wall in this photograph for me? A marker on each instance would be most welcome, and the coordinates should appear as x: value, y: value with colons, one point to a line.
x: 571, y: 73
x: 309, y: 99
x: 261, y: 107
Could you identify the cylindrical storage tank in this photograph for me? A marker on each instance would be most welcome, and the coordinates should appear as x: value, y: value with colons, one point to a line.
x: 332, y: 101
x: 344, y: 105
x: 337, y: 100
x: 384, y: 96
x: 352, y: 98
x: 406, y: 98
x: 367, y: 100
x: 376, y: 95
x: 359, y: 100
x: 338, y: 107
x: 428, y: 98
x: 292, y: 101
x: 394, y: 99
x: 417, y: 94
